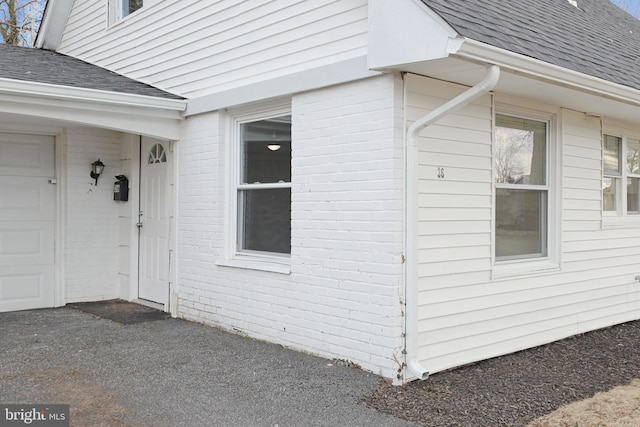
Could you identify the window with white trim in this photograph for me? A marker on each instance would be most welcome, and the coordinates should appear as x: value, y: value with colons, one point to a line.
x: 263, y: 185
x: 620, y: 175
x: 521, y: 177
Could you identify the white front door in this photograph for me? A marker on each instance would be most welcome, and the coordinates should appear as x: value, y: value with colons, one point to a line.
x: 27, y: 213
x: 153, y: 283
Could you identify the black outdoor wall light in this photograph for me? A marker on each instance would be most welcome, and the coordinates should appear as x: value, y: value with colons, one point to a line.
x: 96, y: 169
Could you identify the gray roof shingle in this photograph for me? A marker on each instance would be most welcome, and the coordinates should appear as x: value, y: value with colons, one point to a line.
x: 597, y: 38
x: 43, y: 66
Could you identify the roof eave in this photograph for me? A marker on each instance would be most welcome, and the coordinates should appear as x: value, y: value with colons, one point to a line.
x: 139, y: 114
x: 47, y: 90
x: 475, y: 51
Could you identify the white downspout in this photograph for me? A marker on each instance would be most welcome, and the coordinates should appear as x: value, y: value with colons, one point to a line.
x: 411, y: 185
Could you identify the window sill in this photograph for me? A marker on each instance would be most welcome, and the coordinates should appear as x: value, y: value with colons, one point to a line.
x: 256, y: 264
x: 510, y: 269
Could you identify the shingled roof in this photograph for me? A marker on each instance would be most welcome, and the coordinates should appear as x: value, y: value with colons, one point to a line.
x: 596, y: 38
x: 43, y: 66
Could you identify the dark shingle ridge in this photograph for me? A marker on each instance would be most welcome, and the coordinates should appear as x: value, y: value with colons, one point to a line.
x: 43, y: 66
x: 597, y: 38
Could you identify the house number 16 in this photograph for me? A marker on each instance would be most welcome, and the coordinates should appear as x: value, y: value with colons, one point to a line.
x: 440, y: 173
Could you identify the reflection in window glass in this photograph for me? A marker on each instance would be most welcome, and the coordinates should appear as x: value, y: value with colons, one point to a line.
x: 612, y: 154
x: 130, y: 6
x: 609, y: 192
x: 633, y: 156
x: 520, y: 223
x: 520, y: 151
x: 632, y: 195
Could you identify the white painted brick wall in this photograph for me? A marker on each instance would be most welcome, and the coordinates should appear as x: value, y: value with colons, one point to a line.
x: 91, y: 245
x: 343, y: 298
x: 128, y: 214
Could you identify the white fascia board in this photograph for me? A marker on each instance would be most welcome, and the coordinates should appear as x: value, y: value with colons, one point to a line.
x: 144, y: 115
x: 404, y: 32
x: 315, y: 78
x: 125, y: 119
x: 50, y: 91
x: 509, y: 61
x: 55, y: 18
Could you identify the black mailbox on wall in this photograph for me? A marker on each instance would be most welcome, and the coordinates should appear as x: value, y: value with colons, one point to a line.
x: 121, y: 188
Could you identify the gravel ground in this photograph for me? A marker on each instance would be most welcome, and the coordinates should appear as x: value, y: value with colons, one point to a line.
x: 169, y: 373
x: 514, y: 390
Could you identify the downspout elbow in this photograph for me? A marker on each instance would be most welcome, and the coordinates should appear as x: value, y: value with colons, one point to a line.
x: 416, y: 369
x: 489, y: 81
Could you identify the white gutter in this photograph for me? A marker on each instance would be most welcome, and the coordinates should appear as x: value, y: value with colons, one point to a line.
x: 138, y: 114
x: 411, y: 185
x: 58, y: 92
x: 479, y: 52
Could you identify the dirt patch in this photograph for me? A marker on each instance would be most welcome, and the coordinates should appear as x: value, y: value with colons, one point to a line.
x: 91, y: 404
x: 619, y: 407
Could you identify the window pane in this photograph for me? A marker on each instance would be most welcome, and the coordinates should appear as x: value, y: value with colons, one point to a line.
x: 520, y: 151
x: 130, y: 6
x: 609, y: 186
x: 157, y: 154
x: 632, y: 195
x: 633, y: 156
x: 265, y: 220
x: 521, y: 223
x: 612, y: 146
x: 266, y: 151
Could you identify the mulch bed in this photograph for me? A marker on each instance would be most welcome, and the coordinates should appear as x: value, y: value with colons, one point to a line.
x: 514, y: 390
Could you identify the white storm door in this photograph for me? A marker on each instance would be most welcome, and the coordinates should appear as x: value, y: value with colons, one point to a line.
x: 153, y: 283
x: 27, y: 214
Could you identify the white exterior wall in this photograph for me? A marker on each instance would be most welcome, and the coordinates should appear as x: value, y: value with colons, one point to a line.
x: 91, y: 216
x: 465, y: 313
x: 343, y: 296
x: 193, y: 47
x: 128, y: 217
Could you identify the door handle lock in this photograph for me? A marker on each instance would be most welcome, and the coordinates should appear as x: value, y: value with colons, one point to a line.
x: 139, y: 224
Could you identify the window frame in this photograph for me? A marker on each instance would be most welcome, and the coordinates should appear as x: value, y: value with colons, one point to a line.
x: 235, y: 256
x: 620, y: 216
x: 526, y: 265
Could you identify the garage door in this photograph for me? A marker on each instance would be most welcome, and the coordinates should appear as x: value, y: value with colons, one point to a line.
x: 27, y: 213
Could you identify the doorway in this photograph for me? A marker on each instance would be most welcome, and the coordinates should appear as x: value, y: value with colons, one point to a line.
x: 154, y: 221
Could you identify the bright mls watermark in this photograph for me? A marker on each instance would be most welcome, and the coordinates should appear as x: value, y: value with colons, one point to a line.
x: 34, y: 415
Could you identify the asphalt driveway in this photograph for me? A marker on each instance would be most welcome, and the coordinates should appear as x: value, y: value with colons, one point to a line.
x: 173, y: 373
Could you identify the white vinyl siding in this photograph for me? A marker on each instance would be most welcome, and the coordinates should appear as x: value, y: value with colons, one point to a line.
x: 465, y: 315
x: 195, y: 48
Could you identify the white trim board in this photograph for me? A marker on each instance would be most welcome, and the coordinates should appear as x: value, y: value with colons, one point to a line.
x: 149, y: 121
x: 341, y: 72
